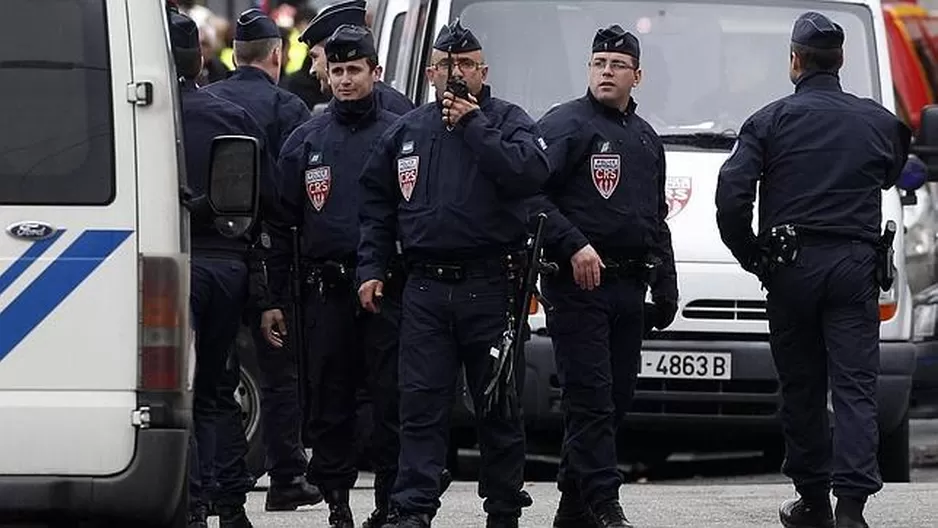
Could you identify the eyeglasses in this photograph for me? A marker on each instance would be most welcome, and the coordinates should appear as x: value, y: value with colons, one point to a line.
x: 616, y: 65
x: 462, y: 64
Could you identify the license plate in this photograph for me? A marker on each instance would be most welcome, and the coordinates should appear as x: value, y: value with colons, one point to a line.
x: 685, y: 365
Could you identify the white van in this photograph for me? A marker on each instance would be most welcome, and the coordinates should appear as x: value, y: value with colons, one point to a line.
x: 708, y: 65
x: 95, y: 345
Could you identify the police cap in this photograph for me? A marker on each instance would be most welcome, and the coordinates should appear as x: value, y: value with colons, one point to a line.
x: 183, y: 32
x: 253, y: 24
x: 616, y: 39
x: 817, y: 31
x: 350, y: 43
x: 456, y: 39
x: 328, y: 20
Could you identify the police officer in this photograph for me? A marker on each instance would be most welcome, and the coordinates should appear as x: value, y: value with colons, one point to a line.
x: 253, y: 85
x: 454, y: 176
x: 319, y: 166
x: 822, y: 157
x: 219, y: 276
x: 347, y: 12
x: 606, y: 214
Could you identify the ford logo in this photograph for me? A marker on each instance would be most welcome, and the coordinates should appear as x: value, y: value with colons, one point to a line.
x: 31, y: 230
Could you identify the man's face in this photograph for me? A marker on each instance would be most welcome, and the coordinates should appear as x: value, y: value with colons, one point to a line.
x: 467, y: 66
x: 612, y: 76
x: 318, y: 53
x: 351, y: 81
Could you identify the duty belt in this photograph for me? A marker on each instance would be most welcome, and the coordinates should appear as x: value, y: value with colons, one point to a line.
x: 458, y: 271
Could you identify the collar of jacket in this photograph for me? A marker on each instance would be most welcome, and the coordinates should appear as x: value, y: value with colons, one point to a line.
x: 187, y: 85
x: 610, y: 111
x: 357, y: 112
x: 251, y: 73
x: 818, y: 80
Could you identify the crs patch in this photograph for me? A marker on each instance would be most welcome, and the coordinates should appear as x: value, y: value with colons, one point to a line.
x: 318, y: 185
x: 677, y: 193
x: 606, y: 170
x: 407, y: 170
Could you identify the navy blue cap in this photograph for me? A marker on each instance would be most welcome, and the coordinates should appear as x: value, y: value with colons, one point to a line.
x: 329, y: 19
x: 456, y: 39
x: 350, y: 43
x: 183, y: 32
x: 253, y: 24
x: 616, y: 39
x: 817, y: 31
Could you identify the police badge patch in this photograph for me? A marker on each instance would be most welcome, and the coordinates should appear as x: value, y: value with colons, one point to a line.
x: 318, y: 184
x: 606, y: 170
x: 677, y: 193
x: 407, y: 169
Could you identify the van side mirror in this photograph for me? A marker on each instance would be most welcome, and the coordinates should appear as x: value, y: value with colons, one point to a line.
x: 925, y: 145
x: 234, y: 183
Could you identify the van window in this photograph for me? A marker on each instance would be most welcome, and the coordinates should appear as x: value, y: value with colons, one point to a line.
x: 394, y: 49
x: 740, y: 61
x: 56, y: 142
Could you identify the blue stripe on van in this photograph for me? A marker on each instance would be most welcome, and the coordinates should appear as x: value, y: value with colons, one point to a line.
x: 33, y: 252
x: 55, y: 283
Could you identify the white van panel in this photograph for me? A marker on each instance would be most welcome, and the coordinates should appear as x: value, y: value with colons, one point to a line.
x: 68, y: 304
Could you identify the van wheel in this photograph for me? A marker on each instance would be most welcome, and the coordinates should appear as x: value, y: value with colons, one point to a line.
x: 248, y: 395
x: 894, y: 464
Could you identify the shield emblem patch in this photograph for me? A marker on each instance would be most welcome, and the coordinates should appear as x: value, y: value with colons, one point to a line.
x: 318, y: 184
x: 606, y: 169
x: 407, y: 170
x: 677, y: 193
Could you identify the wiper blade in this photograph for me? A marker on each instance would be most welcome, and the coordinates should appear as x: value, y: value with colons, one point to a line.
x: 706, y: 140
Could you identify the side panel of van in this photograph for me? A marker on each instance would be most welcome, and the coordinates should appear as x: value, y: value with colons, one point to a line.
x: 68, y: 253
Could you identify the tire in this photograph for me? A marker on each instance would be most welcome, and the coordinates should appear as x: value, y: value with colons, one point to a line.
x: 894, y: 460
x: 248, y: 395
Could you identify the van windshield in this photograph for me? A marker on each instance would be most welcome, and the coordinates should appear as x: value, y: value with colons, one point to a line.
x: 707, y: 65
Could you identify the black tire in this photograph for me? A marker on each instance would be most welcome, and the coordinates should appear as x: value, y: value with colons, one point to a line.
x: 894, y: 459
x: 248, y: 395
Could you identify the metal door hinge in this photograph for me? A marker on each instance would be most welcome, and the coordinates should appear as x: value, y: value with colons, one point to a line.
x: 140, y: 93
x: 141, y: 418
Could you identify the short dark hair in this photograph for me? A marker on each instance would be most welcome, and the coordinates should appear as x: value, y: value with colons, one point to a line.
x: 188, y: 62
x: 816, y: 59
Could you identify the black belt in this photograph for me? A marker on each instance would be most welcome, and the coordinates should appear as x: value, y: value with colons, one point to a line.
x: 457, y: 271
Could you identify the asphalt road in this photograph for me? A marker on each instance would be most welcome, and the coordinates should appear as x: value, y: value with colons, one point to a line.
x: 713, y: 491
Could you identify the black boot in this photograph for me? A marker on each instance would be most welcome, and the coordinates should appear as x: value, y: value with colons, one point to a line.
x: 806, y: 513
x: 290, y: 495
x: 572, y: 512
x: 379, y: 517
x: 198, y: 515
x: 501, y: 521
x: 340, y: 515
x: 446, y: 478
x: 609, y: 515
x: 410, y: 520
x: 233, y: 517
x: 849, y: 513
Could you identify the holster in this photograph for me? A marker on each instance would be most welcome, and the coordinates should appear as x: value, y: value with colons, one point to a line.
x: 885, y: 258
x: 329, y: 275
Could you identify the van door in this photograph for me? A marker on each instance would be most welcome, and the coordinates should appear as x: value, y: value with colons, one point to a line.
x: 68, y: 250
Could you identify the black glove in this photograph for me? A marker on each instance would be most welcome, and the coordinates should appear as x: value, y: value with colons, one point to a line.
x: 659, y: 315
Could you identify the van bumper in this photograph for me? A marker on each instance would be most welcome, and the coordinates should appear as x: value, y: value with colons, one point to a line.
x: 747, y: 402
x: 148, y: 490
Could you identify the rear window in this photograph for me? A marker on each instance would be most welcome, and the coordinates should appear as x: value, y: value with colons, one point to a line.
x: 56, y: 138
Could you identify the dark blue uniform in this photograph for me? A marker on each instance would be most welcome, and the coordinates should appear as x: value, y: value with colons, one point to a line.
x: 279, y: 113
x: 822, y: 158
x: 458, y: 198
x: 392, y: 100
x: 606, y: 189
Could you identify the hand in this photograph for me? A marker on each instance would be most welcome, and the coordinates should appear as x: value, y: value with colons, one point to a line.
x: 370, y: 293
x: 273, y: 327
x: 665, y: 310
x: 455, y: 108
x: 587, y: 268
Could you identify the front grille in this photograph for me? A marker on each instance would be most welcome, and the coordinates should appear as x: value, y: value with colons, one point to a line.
x: 725, y: 310
x: 707, y: 397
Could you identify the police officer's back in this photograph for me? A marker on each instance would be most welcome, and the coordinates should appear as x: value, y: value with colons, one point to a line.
x: 322, y: 26
x: 219, y: 285
x: 454, y: 175
x: 607, y: 213
x: 821, y: 157
x: 319, y: 167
